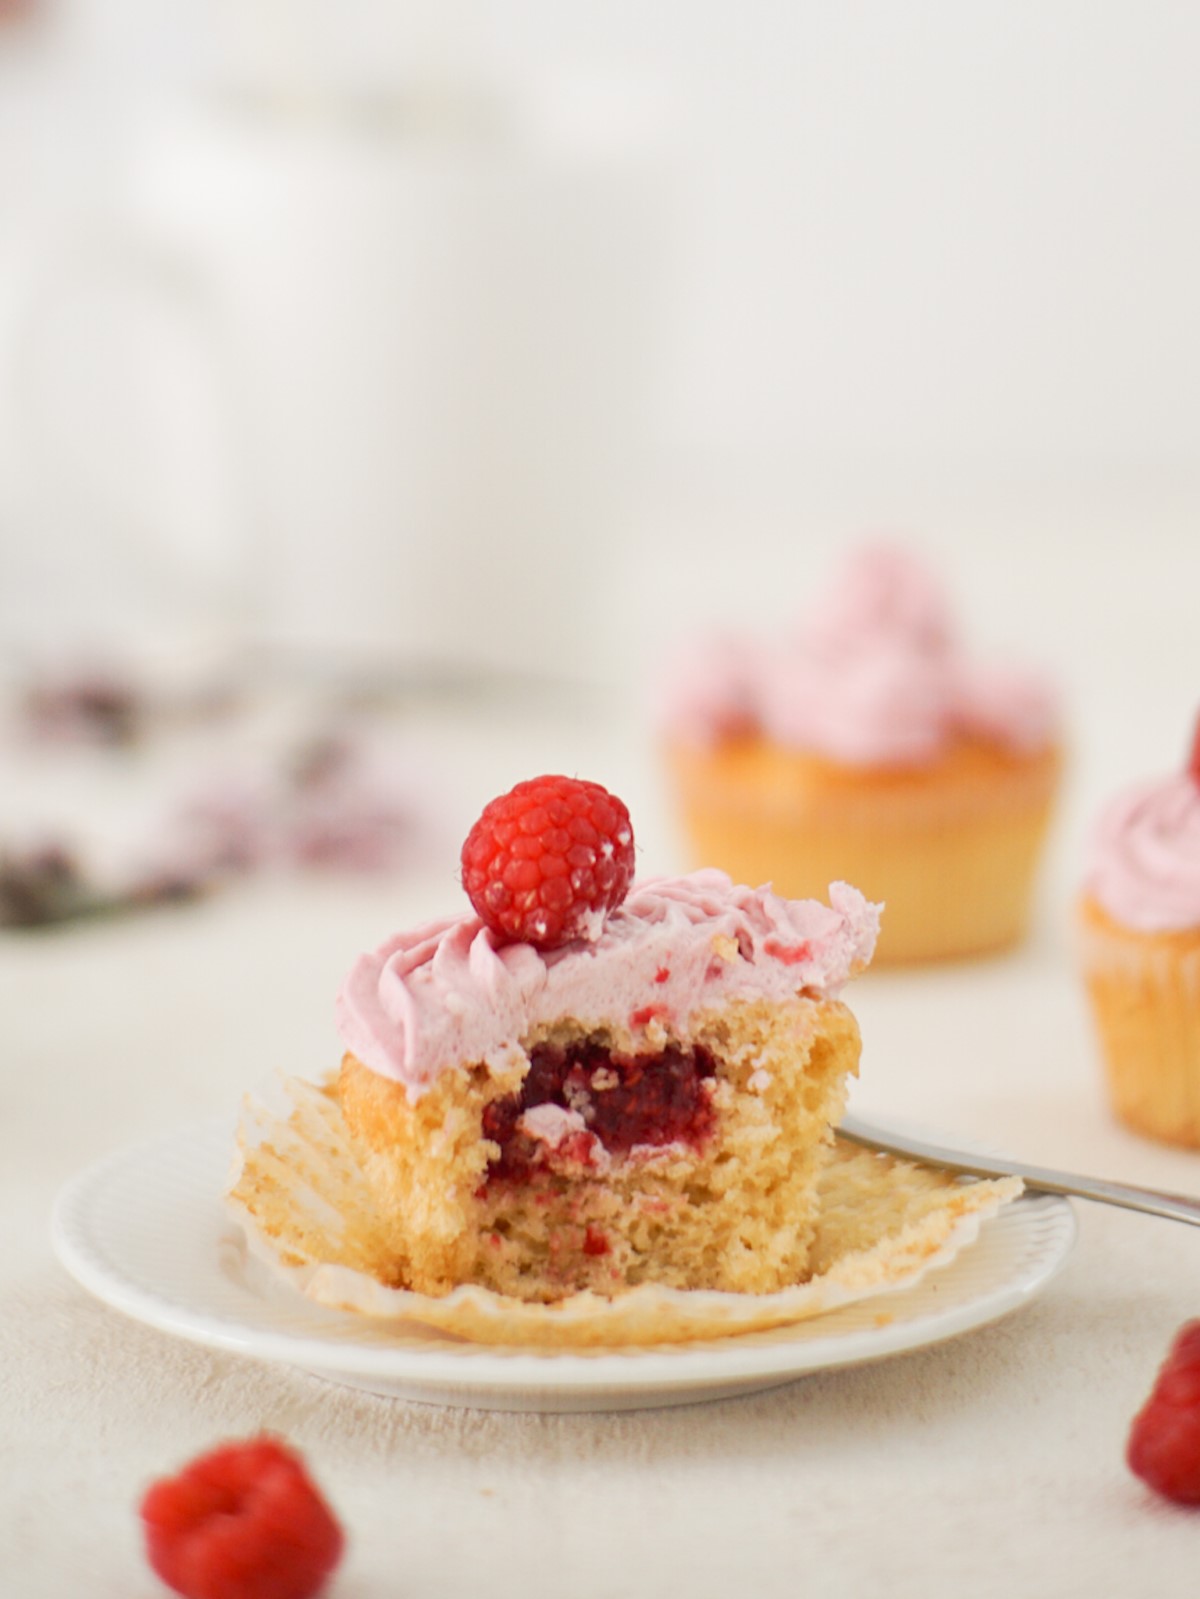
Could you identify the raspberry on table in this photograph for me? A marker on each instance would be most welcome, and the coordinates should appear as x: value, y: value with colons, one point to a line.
x: 1164, y: 1441
x: 243, y: 1521
x: 546, y: 862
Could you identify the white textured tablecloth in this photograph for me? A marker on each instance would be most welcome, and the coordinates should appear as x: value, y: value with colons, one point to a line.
x: 992, y: 1464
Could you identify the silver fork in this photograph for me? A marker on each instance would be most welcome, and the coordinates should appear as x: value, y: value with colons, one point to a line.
x: 1176, y: 1207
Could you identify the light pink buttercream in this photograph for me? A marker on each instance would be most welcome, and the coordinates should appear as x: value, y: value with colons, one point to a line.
x: 710, y: 689
x: 884, y: 594
x: 875, y: 675
x: 1006, y: 703
x: 448, y: 993
x: 880, y: 706
x: 1144, y: 860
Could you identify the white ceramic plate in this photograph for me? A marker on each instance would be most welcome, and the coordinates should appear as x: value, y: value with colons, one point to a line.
x: 146, y: 1231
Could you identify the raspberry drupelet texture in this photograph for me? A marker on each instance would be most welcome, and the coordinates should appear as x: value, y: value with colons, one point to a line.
x: 546, y: 862
x: 243, y: 1521
x: 1164, y: 1442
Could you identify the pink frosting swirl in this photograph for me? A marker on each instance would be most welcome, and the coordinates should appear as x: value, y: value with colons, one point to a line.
x: 880, y: 706
x: 447, y: 992
x: 710, y: 689
x: 1005, y: 703
x: 875, y: 675
x: 883, y: 595
x: 1144, y: 859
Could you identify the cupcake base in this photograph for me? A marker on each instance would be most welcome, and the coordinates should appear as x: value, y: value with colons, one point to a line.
x: 1144, y: 990
x: 310, y: 1217
x: 950, y: 847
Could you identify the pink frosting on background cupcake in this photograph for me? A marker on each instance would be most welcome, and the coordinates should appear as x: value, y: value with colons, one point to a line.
x: 874, y: 675
x: 1143, y: 865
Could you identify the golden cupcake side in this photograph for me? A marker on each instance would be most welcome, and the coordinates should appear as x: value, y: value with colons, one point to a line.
x: 950, y: 844
x: 1144, y: 992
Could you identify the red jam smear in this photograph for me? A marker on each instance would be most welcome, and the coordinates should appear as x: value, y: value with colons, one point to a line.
x: 656, y: 1098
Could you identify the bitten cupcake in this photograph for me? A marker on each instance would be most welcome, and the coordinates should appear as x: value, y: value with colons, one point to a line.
x: 1139, y: 918
x: 594, y: 1111
x: 587, y: 1085
x: 869, y: 746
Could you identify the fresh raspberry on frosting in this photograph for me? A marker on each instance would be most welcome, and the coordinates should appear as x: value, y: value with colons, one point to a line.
x: 1193, y: 765
x: 1164, y: 1442
x: 243, y: 1521
x: 546, y: 862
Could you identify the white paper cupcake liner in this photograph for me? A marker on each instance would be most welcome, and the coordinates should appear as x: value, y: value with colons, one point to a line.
x: 309, y: 1217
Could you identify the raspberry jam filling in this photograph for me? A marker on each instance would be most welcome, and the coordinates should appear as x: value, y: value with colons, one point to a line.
x: 623, y: 1100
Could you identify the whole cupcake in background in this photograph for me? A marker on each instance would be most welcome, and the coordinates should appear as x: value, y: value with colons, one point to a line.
x: 869, y: 746
x: 1139, y: 918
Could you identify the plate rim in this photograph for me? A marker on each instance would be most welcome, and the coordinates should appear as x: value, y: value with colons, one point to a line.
x: 486, y: 1368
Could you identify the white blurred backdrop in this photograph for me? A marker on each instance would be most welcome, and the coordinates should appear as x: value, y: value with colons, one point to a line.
x: 520, y: 336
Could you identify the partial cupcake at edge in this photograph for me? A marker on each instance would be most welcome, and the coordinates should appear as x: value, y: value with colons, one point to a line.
x: 1139, y: 926
x: 869, y: 744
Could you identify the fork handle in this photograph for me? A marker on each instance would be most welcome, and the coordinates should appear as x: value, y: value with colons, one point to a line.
x: 1043, y: 1179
